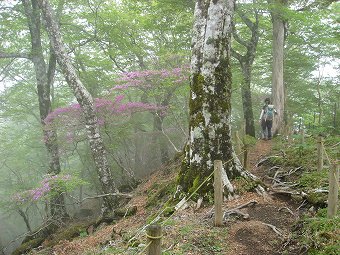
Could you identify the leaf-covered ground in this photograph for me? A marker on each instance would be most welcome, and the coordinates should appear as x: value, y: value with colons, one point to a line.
x: 267, y: 231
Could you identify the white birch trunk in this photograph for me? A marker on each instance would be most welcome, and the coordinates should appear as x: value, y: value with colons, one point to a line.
x: 44, y: 82
x: 209, y: 127
x: 85, y: 101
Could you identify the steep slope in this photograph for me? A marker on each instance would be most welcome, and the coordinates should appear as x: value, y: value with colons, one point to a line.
x: 261, y: 224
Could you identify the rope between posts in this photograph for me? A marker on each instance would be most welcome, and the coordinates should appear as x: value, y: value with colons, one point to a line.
x: 331, y: 162
x: 194, y: 192
x: 232, y: 158
x: 239, y: 139
x: 146, y: 246
x: 153, y: 221
x: 154, y: 237
x: 167, y: 219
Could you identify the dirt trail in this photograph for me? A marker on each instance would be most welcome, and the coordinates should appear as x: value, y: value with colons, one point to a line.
x: 191, y: 232
x: 255, y: 236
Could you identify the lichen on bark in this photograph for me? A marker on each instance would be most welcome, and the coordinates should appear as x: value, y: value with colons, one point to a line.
x: 209, y: 124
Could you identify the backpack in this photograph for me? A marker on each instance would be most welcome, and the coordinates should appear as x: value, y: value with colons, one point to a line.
x: 269, y: 112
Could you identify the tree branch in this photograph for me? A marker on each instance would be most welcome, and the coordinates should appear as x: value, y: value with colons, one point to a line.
x: 118, y: 194
x: 317, y: 4
x: 245, y: 19
x: 15, y: 55
x: 236, y: 37
x: 236, y: 55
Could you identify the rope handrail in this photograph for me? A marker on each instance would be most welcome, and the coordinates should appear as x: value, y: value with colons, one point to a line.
x: 144, y: 249
x: 239, y: 139
x: 163, y: 209
x: 194, y: 192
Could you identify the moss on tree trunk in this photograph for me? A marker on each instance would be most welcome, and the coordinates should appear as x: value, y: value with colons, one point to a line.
x: 210, y: 108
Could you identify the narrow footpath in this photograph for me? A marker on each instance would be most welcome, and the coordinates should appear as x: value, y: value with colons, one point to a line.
x: 270, y: 219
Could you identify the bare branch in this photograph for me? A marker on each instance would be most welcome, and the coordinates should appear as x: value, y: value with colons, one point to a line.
x: 15, y: 55
x: 317, y: 4
x: 245, y: 19
x: 5, y: 68
x: 236, y: 55
x: 167, y: 137
x: 236, y: 36
x: 117, y: 194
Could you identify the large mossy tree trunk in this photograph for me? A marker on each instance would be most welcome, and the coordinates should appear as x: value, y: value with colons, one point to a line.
x: 246, y: 61
x: 278, y: 89
x: 85, y: 100
x: 44, y: 77
x: 210, y: 85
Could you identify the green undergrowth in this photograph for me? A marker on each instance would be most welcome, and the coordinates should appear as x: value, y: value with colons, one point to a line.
x: 194, y: 239
x: 22, y: 249
x: 305, y: 156
x: 316, y: 234
x: 108, y: 251
x: 160, y: 192
x: 314, y: 179
x: 298, y: 153
x: 319, y: 235
x: 161, y: 202
x: 73, y: 231
x: 179, y: 239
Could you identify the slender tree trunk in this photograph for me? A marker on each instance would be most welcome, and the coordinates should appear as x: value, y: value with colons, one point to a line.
x: 26, y: 220
x: 210, y: 85
x: 138, y: 149
x: 247, y: 101
x: 158, y: 127
x: 335, y: 116
x: 138, y: 140
x: 318, y: 89
x: 44, y: 78
x: 278, y: 91
x: 246, y: 61
x: 162, y: 142
x: 85, y: 100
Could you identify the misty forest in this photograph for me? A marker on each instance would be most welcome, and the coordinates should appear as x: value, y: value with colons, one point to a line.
x: 214, y: 122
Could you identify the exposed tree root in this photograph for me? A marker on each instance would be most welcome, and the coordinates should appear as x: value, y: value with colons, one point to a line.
x: 266, y: 159
x: 234, y: 211
x: 290, y: 211
x: 275, y: 229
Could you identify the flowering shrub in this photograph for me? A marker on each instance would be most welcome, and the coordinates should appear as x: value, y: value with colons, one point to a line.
x: 151, y: 79
x: 102, y: 106
x: 69, y: 120
x: 51, y: 185
x: 157, y: 86
x: 114, y: 112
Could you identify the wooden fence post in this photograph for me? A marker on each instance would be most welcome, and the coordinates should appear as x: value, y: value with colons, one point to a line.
x: 320, y: 153
x: 218, y: 193
x: 333, y: 190
x: 154, y: 238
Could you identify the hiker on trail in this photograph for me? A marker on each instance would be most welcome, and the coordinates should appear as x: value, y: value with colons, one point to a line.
x: 266, y: 119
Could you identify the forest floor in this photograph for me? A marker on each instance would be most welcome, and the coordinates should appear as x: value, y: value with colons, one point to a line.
x: 257, y: 235
x: 191, y: 231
